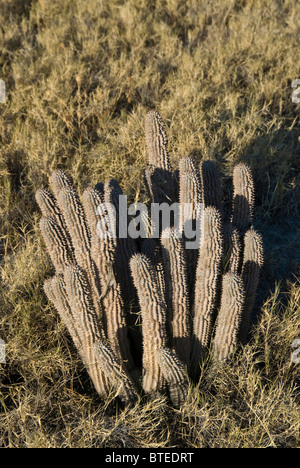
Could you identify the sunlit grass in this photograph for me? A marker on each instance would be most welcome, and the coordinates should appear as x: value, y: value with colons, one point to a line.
x: 80, y: 77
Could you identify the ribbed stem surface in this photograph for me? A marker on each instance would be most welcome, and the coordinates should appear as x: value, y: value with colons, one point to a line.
x: 176, y: 273
x: 243, y: 197
x: 175, y: 373
x: 252, y: 263
x: 153, y: 309
x: 229, y: 317
x: 207, y: 275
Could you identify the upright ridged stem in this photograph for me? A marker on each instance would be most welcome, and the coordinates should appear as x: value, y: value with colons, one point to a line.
x: 211, y: 184
x: 59, y: 180
x: 55, y: 290
x: 232, y: 248
x: 147, y: 224
x: 80, y: 300
x: 74, y: 215
x: 152, y: 249
x: 91, y: 199
x: 101, y: 223
x: 157, y: 141
x: 116, y: 373
x: 103, y: 251
x: 49, y: 207
x: 125, y: 247
x: 159, y: 179
x: 252, y: 263
x: 207, y: 275
x: 112, y: 194
x: 243, y: 197
x: 47, y: 202
x: 76, y: 222
x: 153, y: 309
x: 190, y: 187
x: 229, y: 317
x: 176, y: 277
x: 174, y: 371
x: 56, y: 242
x: 190, y: 199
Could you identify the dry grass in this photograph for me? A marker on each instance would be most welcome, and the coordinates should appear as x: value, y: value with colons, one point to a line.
x: 80, y: 78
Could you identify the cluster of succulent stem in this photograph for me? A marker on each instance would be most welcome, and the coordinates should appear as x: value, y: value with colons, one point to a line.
x: 143, y: 313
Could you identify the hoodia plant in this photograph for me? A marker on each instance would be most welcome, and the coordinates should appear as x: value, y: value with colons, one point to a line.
x: 193, y: 283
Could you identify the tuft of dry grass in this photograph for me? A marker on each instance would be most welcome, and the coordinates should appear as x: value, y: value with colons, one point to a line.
x: 80, y: 77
